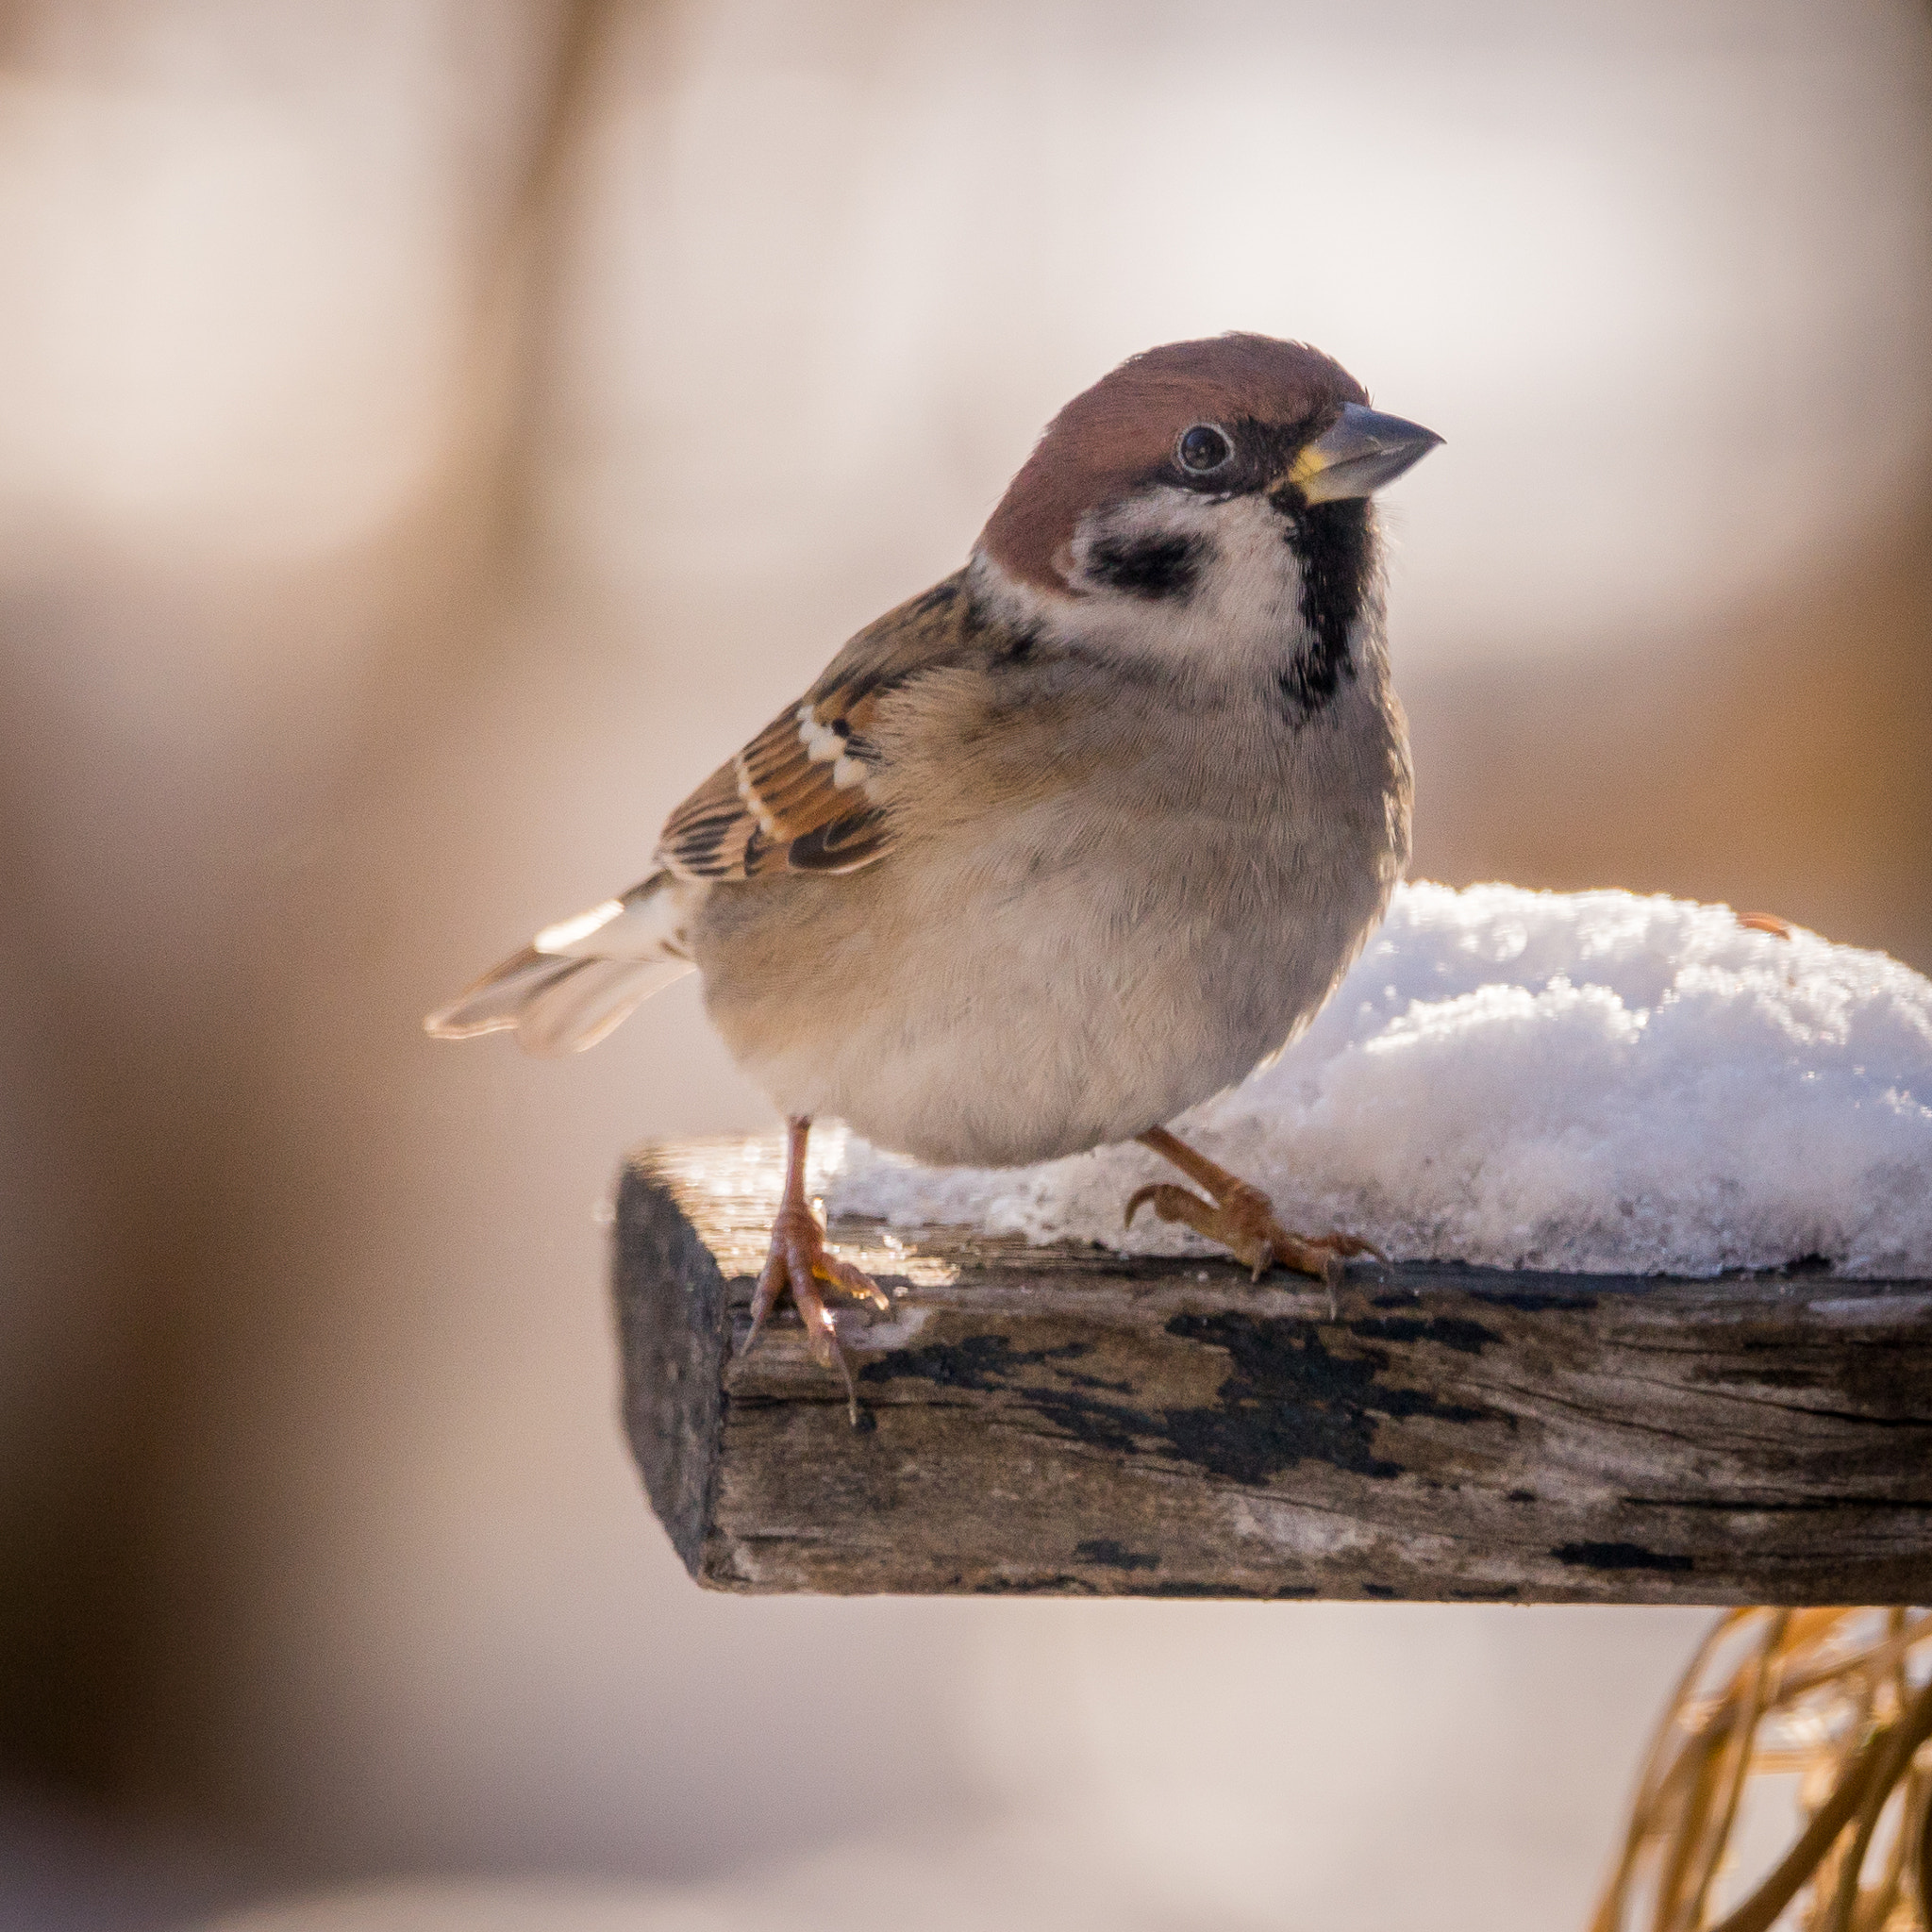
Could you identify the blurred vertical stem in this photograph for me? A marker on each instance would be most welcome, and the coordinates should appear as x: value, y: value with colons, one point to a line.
x: 528, y: 283
x: 475, y: 545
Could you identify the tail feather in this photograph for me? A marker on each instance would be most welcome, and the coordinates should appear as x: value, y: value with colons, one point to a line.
x: 581, y: 977
x: 495, y: 1001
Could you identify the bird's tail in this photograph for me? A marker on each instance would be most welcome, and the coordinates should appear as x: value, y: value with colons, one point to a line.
x: 579, y: 978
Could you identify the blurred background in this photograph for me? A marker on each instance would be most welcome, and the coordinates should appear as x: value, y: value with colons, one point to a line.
x: 435, y: 432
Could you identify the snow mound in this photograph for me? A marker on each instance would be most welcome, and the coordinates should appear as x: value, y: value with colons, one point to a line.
x: 1587, y: 1081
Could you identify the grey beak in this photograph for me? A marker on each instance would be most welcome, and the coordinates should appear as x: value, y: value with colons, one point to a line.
x: 1356, y: 454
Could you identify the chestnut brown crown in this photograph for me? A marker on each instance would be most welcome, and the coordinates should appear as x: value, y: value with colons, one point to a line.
x: 1123, y: 434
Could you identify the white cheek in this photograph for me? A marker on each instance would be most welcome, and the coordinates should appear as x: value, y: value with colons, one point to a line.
x: 1244, y: 603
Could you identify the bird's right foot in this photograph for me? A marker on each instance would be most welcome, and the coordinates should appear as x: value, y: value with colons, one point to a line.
x: 800, y: 1260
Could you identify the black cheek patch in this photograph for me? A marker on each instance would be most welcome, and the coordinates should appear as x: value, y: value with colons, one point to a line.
x: 1150, y: 567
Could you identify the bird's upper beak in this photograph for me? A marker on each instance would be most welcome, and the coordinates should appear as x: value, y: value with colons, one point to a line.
x: 1361, y: 450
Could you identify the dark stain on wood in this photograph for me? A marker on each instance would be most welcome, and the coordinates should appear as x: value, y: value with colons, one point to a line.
x: 1110, y: 1555
x: 1291, y: 1400
x: 1468, y: 1337
x: 1620, y: 1556
x: 1070, y: 1422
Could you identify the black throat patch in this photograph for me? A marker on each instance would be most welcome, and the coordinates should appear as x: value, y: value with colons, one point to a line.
x: 1337, y: 550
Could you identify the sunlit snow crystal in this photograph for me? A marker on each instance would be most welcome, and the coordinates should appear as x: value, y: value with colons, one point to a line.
x: 1588, y: 1080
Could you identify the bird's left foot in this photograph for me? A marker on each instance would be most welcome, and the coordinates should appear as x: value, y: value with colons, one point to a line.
x: 1240, y: 1217
x: 1242, y: 1221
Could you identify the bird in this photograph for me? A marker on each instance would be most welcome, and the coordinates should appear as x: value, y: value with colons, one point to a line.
x: 1065, y: 845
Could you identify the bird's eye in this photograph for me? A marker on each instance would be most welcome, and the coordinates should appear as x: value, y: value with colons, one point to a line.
x: 1204, y: 448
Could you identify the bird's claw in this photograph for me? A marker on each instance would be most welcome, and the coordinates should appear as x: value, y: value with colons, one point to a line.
x: 799, y: 1259
x: 1242, y: 1221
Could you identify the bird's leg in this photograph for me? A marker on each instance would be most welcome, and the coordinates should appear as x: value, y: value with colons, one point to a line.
x: 800, y: 1260
x: 1240, y: 1217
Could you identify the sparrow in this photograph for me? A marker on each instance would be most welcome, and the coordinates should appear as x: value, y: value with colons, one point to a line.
x: 1066, y: 844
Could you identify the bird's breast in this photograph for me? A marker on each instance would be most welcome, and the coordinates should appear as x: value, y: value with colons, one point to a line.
x: 1049, y: 973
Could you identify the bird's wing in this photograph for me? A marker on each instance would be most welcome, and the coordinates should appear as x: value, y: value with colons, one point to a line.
x: 805, y: 794
x: 802, y: 796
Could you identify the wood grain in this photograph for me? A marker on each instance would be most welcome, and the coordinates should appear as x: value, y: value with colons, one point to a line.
x: 1063, y: 1420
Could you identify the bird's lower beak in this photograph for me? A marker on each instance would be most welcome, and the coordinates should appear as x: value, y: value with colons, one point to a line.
x: 1361, y: 450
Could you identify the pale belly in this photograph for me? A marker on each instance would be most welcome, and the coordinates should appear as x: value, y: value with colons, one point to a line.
x: 985, y: 1011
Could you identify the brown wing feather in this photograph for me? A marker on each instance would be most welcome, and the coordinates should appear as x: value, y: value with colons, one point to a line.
x: 802, y: 795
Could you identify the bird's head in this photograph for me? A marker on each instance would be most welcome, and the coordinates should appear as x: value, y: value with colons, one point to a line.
x: 1205, y: 497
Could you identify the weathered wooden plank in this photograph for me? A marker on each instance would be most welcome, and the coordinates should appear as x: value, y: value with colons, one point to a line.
x: 1063, y: 1420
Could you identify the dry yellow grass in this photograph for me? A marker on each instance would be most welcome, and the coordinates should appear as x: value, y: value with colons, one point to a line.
x: 1825, y: 1710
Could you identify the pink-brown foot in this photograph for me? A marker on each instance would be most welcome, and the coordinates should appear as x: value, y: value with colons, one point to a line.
x: 800, y: 1260
x: 1242, y: 1221
x: 1240, y: 1217
x: 1244, y: 1224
